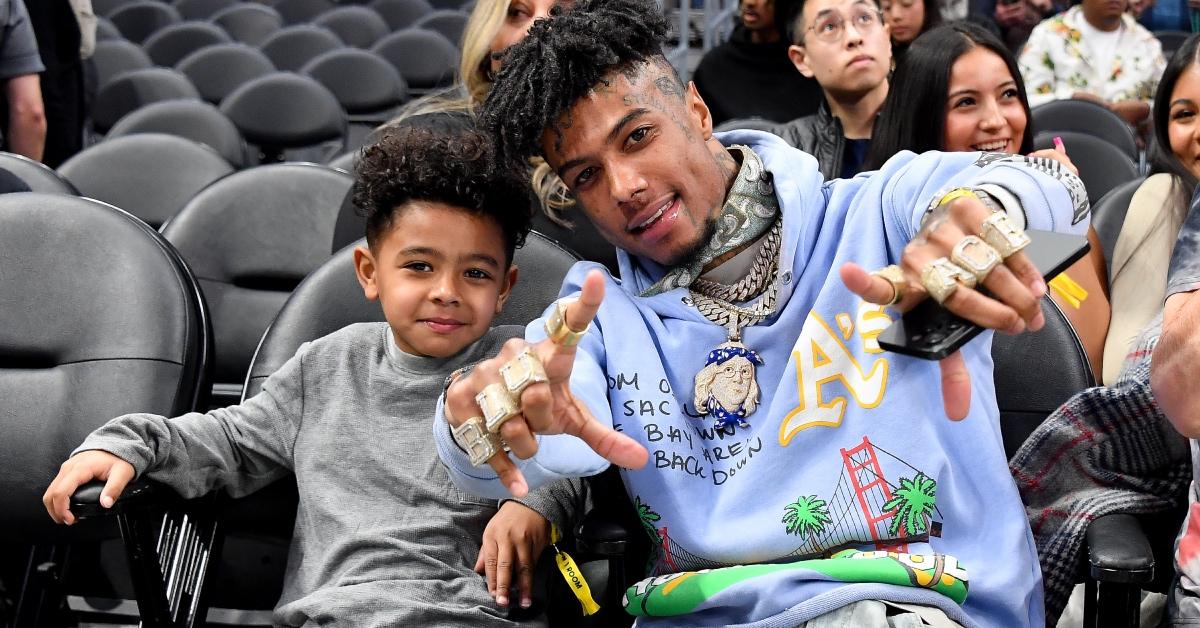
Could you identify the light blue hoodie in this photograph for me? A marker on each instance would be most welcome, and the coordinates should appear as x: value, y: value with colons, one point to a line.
x: 850, y: 447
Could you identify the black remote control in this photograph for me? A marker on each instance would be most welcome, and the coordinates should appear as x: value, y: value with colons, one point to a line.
x: 932, y: 332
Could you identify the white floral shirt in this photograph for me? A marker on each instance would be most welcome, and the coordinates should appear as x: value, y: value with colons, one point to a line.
x: 1056, y: 63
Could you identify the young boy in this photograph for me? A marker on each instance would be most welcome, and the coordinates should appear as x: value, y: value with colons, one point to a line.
x: 382, y: 537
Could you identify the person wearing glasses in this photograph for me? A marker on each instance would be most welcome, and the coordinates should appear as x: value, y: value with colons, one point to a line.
x: 847, y: 48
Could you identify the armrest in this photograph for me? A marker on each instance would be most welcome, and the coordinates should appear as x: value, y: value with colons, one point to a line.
x: 601, y: 535
x: 139, y: 494
x: 1118, y: 551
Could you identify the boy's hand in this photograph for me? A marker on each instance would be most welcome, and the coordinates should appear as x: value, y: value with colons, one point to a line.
x: 1016, y: 286
x: 512, y: 543
x: 546, y: 407
x: 81, y: 469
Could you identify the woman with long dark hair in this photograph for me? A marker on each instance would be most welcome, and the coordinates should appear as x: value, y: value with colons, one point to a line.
x: 909, y: 19
x: 1142, y: 254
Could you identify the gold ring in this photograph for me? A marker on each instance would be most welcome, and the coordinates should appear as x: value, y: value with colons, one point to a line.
x: 1004, y: 236
x: 522, y: 371
x: 976, y: 257
x: 556, y: 326
x: 941, y: 278
x: 497, y: 405
x: 895, y: 276
x: 479, y: 444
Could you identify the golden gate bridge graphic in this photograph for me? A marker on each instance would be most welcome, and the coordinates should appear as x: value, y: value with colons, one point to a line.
x: 856, y: 515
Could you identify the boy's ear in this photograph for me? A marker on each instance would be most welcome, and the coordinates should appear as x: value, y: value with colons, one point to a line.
x: 364, y: 269
x: 799, y: 57
x: 510, y: 280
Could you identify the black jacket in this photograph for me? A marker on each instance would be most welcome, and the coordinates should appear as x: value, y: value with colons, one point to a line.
x: 741, y: 79
x: 819, y: 135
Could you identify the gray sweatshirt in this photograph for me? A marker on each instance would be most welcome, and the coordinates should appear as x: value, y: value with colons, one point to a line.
x: 382, y: 536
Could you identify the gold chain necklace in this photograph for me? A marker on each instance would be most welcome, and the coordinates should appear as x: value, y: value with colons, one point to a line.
x: 726, y: 387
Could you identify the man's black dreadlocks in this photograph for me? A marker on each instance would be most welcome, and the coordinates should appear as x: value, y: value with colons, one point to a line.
x: 560, y: 60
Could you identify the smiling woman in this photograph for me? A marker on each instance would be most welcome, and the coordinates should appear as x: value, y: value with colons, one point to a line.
x: 957, y: 89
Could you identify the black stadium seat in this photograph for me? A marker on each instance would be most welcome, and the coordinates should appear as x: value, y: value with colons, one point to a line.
x: 290, y: 48
x: 401, y: 13
x: 356, y: 26
x: 139, y: 20
x: 105, y: 8
x: 100, y: 319
x: 1034, y: 373
x: 131, y: 90
x: 37, y: 175
x: 172, y: 43
x: 1171, y: 41
x: 201, y: 9
x: 426, y: 60
x: 1085, y: 117
x: 106, y: 30
x: 113, y: 57
x: 190, y: 119
x: 1108, y: 216
x: 282, y: 111
x: 345, y: 162
x: 1102, y: 166
x: 251, y: 238
x: 218, y: 70
x: 249, y: 22
x: 448, y: 22
x: 150, y: 175
x: 302, y: 11
x: 363, y: 82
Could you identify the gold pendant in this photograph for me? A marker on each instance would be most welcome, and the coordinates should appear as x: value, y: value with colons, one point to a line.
x: 726, y: 387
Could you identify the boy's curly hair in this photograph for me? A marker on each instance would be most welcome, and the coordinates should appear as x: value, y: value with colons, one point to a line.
x: 442, y: 158
x: 560, y: 60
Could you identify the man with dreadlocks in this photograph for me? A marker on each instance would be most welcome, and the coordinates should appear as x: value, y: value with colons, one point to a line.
x: 840, y: 494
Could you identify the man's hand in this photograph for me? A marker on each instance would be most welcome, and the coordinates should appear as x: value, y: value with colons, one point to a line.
x: 81, y: 469
x: 512, y: 543
x: 1172, y: 366
x: 1016, y: 284
x: 1132, y: 111
x: 1137, y: 7
x: 1010, y: 15
x: 545, y: 407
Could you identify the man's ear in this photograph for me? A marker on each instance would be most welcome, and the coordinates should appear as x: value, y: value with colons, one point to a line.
x: 799, y: 56
x: 510, y: 280
x: 698, y: 110
x: 364, y: 269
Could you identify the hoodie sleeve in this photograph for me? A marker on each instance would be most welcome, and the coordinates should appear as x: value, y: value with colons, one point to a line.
x: 1037, y: 193
x: 559, y: 456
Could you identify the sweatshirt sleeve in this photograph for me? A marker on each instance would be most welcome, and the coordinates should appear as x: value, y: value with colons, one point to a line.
x: 240, y: 448
x: 559, y: 455
x: 1037, y: 193
x: 561, y: 502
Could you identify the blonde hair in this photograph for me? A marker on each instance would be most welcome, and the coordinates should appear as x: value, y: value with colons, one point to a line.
x: 474, y: 84
x: 474, y: 69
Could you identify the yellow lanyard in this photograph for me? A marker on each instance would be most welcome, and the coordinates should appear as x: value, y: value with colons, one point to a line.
x: 1069, y: 290
x: 570, y: 572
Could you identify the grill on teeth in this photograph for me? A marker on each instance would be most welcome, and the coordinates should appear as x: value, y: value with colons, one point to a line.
x: 652, y: 218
